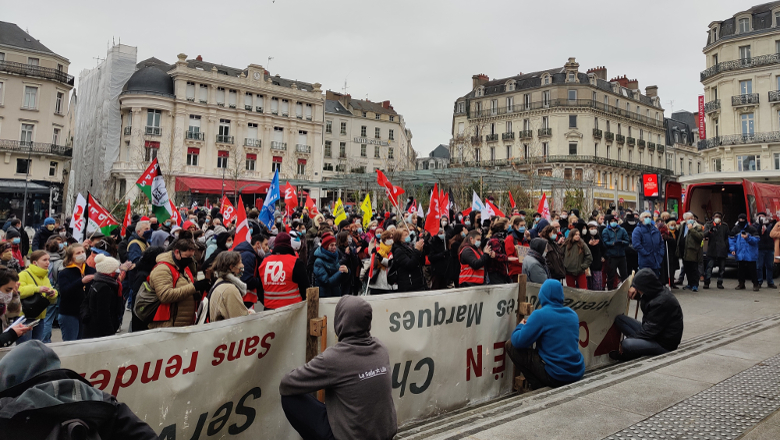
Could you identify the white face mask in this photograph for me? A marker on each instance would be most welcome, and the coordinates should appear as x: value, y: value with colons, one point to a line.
x: 6, y: 297
x: 388, y: 242
x: 594, y: 231
x: 80, y: 258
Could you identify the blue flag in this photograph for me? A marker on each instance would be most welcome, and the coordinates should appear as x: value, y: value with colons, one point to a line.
x: 267, y: 213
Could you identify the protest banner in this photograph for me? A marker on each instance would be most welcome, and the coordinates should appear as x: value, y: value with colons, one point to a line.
x: 220, y: 379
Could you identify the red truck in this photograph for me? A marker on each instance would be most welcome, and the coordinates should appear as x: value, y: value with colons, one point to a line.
x: 729, y: 197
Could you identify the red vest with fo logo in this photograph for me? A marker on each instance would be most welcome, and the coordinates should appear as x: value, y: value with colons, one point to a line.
x: 278, y: 285
x: 469, y: 274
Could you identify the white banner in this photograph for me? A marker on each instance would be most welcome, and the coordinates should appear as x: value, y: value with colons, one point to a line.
x: 209, y: 381
x: 78, y: 223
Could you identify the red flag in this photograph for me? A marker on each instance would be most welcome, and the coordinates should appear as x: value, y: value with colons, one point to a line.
x: 495, y: 210
x: 511, y: 200
x: 242, y: 226
x: 444, y: 204
x: 175, y: 214
x: 311, y: 206
x: 466, y: 212
x: 392, y: 191
x: 371, y: 265
x: 544, y: 207
x: 128, y: 218
x: 290, y: 198
x: 227, y: 211
x: 432, y: 221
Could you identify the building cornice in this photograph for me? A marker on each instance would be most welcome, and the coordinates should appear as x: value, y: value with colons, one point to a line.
x: 38, y: 52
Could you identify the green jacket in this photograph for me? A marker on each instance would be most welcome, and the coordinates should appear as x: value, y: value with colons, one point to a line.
x: 575, y: 262
x: 693, y: 249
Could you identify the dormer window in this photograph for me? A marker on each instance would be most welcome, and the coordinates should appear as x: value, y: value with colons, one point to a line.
x: 510, y: 86
x: 714, y: 34
x: 571, y: 77
x: 777, y: 19
x: 480, y: 91
x: 546, y: 79
x: 744, y: 25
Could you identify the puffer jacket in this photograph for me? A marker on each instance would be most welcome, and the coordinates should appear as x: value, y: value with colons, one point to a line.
x: 615, y: 241
x: 30, y: 282
x: 326, y: 273
x: 181, y: 297
x: 576, y: 262
x: 408, y: 263
x: 646, y: 241
x: 693, y: 249
x: 746, y: 249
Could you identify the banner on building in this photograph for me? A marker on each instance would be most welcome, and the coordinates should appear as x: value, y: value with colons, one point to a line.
x: 209, y: 381
x: 702, y: 120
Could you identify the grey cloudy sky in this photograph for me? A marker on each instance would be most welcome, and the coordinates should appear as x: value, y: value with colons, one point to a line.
x: 418, y: 54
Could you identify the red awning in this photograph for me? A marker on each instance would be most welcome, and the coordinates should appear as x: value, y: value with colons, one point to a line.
x: 193, y: 150
x: 207, y: 185
x: 223, y: 153
x: 301, y: 161
x: 277, y: 159
x: 151, y: 144
x: 251, y: 156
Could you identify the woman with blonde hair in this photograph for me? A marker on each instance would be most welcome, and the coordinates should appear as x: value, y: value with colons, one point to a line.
x: 35, y: 281
x: 226, y: 297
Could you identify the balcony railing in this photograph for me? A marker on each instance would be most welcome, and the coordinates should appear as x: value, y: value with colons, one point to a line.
x: 36, y: 71
x: 281, y: 146
x: 153, y: 131
x: 621, y: 139
x: 743, y: 63
x: 259, y: 109
x: 224, y: 139
x: 302, y: 148
x: 774, y: 96
x: 250, y: 142
x: 476, y: 139
x: 740, y: 139
x: 508, y: 136
x: 660, y: 148
x: 631, y: 141
x: 640, y: 143
x: 195, y: 135
x: 34, y: 148
x: 232, y: 105
x: 597, y: 133
x: 545, y: 132
x: 750, y: 98
x: 712, y: 106
x: 566, y: 103
x: 558, y: 159
x: 526, y: 134
x: 491, y: 137
x: 650, y: 145
x: 609, y: 136
x: 248, y: 107
x: 128, y: 130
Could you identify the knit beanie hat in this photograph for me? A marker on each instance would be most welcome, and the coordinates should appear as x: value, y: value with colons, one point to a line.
x: 282, y: 239
x: 106, y: 265
x: 49, y: 221
x: 327, y: 239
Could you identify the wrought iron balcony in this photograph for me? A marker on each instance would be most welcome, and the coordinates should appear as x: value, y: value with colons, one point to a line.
x: 221, y: 104
x: 545, y: 132
x: 774, y: 96
x: 650, y: 145
x: 562, y: 159
x: 526, y: 134
x: 651, y: 148
x: 36, y: 71
x: 248, y: 107
x: 476, y: 139
x: 153, y: 131
x: 743, y: 63
x: 609, y: 136
x: 224, y: 139
x: 251, y: 142
x: 597, y: 133
x: 34, y: 148
x: 620, y: 139
x: 128, y: 131
x: 232, y: 105
x: 259, y: 109
x: 712, y: 106
x: 631, y: 141
x: 660, y: 148
x: 491, y: 137
x: 191, y: 99
x: 195, y: 135
x: 281, y: 146
x: 640, y: 143
x: 508, y: 136
x: 302, y: 148
x: 747, y: 99
x: 203, y: 101
x: 299, y: 116
x: 740, y: 139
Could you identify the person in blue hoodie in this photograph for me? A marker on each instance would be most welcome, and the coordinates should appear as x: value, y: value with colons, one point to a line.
x: 743, y: 245
x: 556, y: 360
x: 648, y: 244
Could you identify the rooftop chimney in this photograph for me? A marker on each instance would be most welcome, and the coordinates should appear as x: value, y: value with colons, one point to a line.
x: 622, y: 80
x: 478, y: 80
x: 199, y: 58
x: 633, y: 84
x: 651, y: 91
x: 386, y: 104
x: 599, y: 71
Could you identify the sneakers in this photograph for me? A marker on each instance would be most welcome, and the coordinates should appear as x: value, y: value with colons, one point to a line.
x: 695, y: 289
x: 686, y: 287
x: 756, y: 288
x: 720, y: 286
x: 771, y: 286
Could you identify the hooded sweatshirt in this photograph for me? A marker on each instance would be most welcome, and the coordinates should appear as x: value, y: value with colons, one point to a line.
x: 556, y: 331
x: 662, y: 316
x: 355, y: 374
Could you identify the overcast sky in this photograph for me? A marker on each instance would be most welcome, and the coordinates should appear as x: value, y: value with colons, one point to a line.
x: 418, y: 54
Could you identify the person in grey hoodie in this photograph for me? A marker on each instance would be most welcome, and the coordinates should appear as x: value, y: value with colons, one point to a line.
x: 355, y: 374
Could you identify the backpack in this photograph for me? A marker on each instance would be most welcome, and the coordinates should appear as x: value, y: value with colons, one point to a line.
x: 116, y: 306
x: 147, y: 304
x: 203, y: 315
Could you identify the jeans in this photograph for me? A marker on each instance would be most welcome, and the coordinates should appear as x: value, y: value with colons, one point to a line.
x: 579, y: 281
x: 51, y: 315
x: 70, y: 327
x: 633, y: 345
x: 36, y: 333
x: 308, y: 416
x: 766, y: 260
x: 692, y: 270
x: 721, y: 262
x: 616, y: 264
x: 745, y: 270
x: 528, y: 361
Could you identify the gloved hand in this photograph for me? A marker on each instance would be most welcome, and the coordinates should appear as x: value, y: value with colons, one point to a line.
x: 202, y: 285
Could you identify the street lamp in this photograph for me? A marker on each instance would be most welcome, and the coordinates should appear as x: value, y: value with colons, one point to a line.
x: 27, y: 179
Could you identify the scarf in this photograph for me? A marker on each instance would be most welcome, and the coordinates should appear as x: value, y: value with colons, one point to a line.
x: 81, y: 268
x: 384, y: 250
x: 236, y: 281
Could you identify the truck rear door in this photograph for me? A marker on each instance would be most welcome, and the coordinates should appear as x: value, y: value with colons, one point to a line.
x: 673, y: 198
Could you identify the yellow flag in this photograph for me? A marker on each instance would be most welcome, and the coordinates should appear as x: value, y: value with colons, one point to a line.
x: 338, y: 212
x: 366, y: 207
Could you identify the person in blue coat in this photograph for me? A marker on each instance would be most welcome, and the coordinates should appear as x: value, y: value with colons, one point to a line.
x: 615, y: 240
x: 743, y: 244
x: 648, y: 244
x: 327, y: 271
x: 556, y: 360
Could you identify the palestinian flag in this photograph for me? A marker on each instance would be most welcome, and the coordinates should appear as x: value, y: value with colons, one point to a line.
x: 99, y: 218
x: 152, y: 184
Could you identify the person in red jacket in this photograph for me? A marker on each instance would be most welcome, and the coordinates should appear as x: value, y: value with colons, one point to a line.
x: 515, y: 237
x: 282, y: 275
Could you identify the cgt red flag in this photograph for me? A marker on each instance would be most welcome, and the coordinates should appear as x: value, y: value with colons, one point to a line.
x: 392, y: 191
x: 444, y: 204
x: 311, y: 206
x: 227, y: 211
x: 433, y: 220
x: 128, y: 218
x: 290, y: 198
x: 243, y: 233
x: 495, y: 209
x: 512, y: 200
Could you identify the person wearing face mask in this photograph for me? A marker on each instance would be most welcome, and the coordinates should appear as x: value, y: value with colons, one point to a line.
x: 632, y: 258
x: 743, y: 244
x: 218, y: 244
x: 104, y: 296
x: 555, y: 253
x: 497, y: 267
x: 349, y: 258
x: 9, y: 279
x: 139, y: 241
x: 276, y: 289
x: 717, y: 236
x: 615, y: 240
x: 766, y: 250
x: 35, y: 281
x: 473, y: 260
x: 515, y: 237
x: 174, y: 285
x: 7, y: 258
x: 226, y: 297
x: 459, y: 233
x: 669, y: 233
x: 408, y: 260
x: 13, y: 237
x: 383, y: 259
x: 328, y: 272
x: 439, y: 256
x: 539, y: 224
x: 535, y: 263
x: 43, y: 234
x: 597, y: 251
x: 577, y: 260
x: 692, y: 253
x: 648, y: 244
x: 56, y: 250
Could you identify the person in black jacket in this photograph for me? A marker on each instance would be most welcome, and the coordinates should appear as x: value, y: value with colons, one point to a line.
x: 348, y: 257
x: 661, y: 328
x: 766, y: 250
x: 24, y: 244
x: 407, y: 262
x: 459, y: 232
x: 75, y: 278
x: 597, y: 250
x: 717, y: 236
x: 43, y: 233
x: 251, y: 259
x: 439, y: 255
x: 99, y: 315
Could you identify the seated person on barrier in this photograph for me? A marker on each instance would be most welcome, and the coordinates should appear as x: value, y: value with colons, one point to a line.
x: 556, y: 360
x: 661, y: 328
x: 355, y: 374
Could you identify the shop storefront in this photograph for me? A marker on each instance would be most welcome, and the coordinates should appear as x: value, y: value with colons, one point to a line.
x: 40, y: 197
